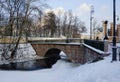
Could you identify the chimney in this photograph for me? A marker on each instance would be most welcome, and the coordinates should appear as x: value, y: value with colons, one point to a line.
x: 105, y: 31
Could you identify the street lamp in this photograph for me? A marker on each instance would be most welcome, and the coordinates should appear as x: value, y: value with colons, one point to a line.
x: 114, y: 54
x: 91, y: 17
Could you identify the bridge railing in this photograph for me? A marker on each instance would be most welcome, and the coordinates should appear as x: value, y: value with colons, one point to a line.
x: 100, y: 45
x: 74, y: 40
x: 55, y: 40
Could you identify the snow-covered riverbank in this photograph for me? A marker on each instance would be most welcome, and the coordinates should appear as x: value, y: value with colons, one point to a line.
x: 24, y: 52
x: 62, y: 71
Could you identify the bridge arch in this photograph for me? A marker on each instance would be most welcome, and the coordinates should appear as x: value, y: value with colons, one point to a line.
x: 52, y: 52
x: 52, y: 55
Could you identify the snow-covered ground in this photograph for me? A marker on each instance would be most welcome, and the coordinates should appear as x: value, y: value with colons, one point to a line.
x: 63, y: 71
x: 25, y: 52
x: 103, y: 71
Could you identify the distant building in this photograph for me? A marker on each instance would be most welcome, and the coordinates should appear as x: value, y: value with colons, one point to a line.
x: 85, y: 36
x: 118, y: 32
x: 111, y: 29
x: 99, y: 35
x: 110, y: 32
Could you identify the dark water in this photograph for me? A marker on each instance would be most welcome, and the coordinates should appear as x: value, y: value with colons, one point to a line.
x: 30, y: 65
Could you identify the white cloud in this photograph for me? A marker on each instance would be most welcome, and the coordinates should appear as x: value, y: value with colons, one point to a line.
x: 83, y: 9
x: 48, y: 10
x: 104, y: 7
x: 57, y: 11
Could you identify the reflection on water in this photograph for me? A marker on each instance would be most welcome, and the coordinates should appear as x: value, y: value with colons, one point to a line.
x: 50, y: 59
x: 30, y: 65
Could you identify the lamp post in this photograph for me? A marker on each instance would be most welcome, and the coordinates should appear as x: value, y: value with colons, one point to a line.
x: 91, y: 17
x: 114, y: 54
x: 0, y: 14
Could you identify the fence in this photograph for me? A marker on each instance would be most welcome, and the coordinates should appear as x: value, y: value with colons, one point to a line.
x: 101, y: 45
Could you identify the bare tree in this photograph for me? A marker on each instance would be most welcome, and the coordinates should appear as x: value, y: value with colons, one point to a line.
x: 96, y: 27
x: 69, y: 26
x: 49, y: 23
x: 12, y: 9
x: 58, y: 23
x: 72, y: 26
x: 64, y: 24
x: 75, y: 26
x: 25, y: 23
x: 19, y: 13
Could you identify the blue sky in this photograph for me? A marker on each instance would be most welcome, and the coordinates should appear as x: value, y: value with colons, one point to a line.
x: 103, y: 8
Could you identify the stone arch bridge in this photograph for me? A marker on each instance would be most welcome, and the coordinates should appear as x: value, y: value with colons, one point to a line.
x: 78, y: 53
x: 73, y: 51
